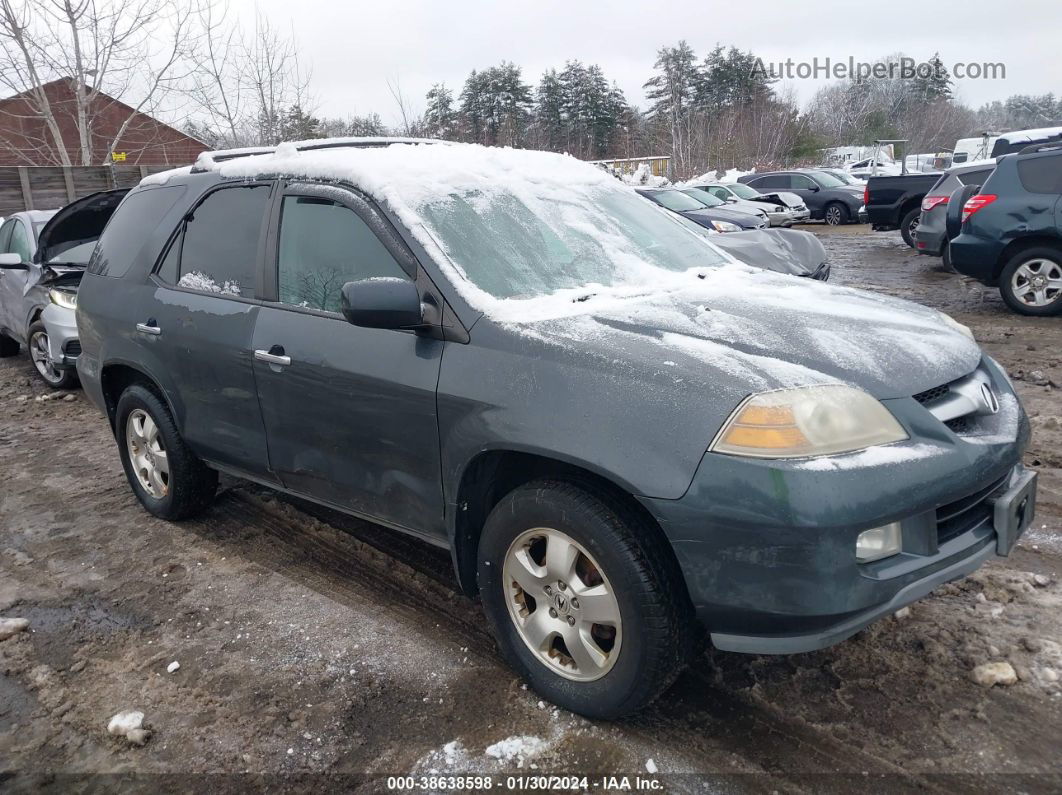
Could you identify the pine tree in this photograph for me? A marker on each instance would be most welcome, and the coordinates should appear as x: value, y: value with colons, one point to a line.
x: 440, y: 118
x: 672, y: 91
x: 935, y: 85
x: 730, y: 79
x: 550, y: 122
x: 297, y: 125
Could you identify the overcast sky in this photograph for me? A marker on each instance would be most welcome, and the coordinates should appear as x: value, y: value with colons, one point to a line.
x: 355, y: 47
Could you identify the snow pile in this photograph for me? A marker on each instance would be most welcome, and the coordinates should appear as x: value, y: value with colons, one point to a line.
x: 195, y: 280
x: 129, y: 724
x: 642, y: 177
x: 734, y: 174
x: 517, y: 748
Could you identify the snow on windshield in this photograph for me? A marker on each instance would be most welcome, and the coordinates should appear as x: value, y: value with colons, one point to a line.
x: 524, y: 234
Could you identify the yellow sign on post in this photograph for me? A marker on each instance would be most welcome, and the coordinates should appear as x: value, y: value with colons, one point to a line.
x: 117, y: 157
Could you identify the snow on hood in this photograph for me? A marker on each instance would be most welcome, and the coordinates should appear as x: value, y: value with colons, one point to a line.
x: 769, y: 331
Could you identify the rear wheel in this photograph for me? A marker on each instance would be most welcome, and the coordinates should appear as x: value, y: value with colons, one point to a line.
x: 38, y: 351
x: 583, y: 599
x: 908, y: 224
x: 8, y: 347
x: 836, y: 214
x: 1031, y: 282
x: 166, y: 476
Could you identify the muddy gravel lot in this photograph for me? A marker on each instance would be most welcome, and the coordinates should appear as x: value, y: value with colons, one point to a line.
x: 318, y: 651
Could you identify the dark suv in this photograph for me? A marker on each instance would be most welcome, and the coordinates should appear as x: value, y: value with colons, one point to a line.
x: 827, y: 197
x: 930, y: 234
x: 623, y: 436
x: 1008, y: 232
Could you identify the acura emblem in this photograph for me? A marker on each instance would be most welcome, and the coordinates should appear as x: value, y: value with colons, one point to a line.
x: 989, y: 398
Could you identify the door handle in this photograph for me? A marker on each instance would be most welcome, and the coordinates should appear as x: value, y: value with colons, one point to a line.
x: 272, y: 358
x: 149, y: 328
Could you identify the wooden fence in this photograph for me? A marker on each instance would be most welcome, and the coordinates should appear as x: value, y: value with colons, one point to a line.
x: 49, y: 188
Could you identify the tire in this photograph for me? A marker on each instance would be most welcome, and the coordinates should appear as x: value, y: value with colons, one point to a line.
x: 653, y: 633
x: 908, y: 224
x: 1017, y: 282
x: 37, y: 345
x: 836, y: 214
x: 188, y: 486
x: 8, y: 347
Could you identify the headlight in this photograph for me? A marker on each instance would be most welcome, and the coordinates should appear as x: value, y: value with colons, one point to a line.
x: 63, y: 298
x: 807, y: 421
x: 725, y: 226
x: 952, y: 323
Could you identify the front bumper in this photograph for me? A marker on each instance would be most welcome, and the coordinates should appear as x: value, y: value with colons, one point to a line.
x: 767, y: 548
x: 781, y: 219
x: 64, y: 348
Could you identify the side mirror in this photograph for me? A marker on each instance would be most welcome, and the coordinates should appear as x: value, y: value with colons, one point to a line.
x: 382, y: 303
x: 814, y: 189
x: 12, y: 262
x: 731, y: 200
x: 953, y: 219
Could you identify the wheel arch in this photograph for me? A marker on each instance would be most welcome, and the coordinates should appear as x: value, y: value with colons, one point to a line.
x: 116, y: 377
x: 1017, y: 245
x: 492, y: 474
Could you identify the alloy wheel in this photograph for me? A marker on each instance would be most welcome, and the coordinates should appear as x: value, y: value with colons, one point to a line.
x: 1037, y: 282
x: 562, y: 604
x: 147, y: 454
x: 38, y: 350
x: 833, y: 215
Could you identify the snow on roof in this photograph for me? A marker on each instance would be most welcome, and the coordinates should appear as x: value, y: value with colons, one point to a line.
x: 207, y: 159
x: 1031, y: 135
x: 162, y: 177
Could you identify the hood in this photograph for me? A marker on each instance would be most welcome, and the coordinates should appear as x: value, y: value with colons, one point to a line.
x: 783, y: 198
x: 791, y: 251
x: 75, y: 229
x: 740, y: 330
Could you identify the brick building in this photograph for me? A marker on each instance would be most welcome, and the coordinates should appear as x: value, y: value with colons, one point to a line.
x: 25, y: 139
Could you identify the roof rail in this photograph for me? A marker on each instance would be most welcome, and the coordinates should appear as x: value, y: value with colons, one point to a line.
x: 206, y: 159
x: 1042, y: 147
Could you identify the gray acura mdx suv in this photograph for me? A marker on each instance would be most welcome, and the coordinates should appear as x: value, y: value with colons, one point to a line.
x: 625, y: 437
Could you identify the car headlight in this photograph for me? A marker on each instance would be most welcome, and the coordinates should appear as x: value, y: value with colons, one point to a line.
x: 807, y: 421
x: 725, y: 226
x: 954, y: 324
x: 63, y: 298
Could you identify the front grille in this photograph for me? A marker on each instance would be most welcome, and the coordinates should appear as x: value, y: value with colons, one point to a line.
x: 936, y: 393
x: 958, y: 425
x: 72, y: 348
x: 966, y: 514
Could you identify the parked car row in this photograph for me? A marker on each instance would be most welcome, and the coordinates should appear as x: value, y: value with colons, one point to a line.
x: 627, y: 439
x: 827, y: 197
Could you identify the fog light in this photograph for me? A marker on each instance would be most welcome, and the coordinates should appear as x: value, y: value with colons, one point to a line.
x: 878, y: 543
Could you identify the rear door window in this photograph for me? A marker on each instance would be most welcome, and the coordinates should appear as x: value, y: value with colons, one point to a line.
x: 1041, y: 173
x: 323, y: 245
x: 130, y: 227
x: 801, y: 182
x: 946, y: 186
x: 219, y: 244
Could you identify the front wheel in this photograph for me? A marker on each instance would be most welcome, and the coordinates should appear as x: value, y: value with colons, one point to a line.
x: 583, y: 599
x: 42, y: 364
x: 836, y: 214
x: 166, y: 476
x: 1031, y: 282
x: 908, y: 224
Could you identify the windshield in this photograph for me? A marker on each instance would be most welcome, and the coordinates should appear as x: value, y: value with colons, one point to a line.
x: 531, y: 242
x: 704, y: 197
x: 826, y: 180
x: 676, y: 200
x: 744, y: 191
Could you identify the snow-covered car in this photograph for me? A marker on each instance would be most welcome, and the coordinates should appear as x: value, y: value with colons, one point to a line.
x: 624, y: 438
x: 43, y: 256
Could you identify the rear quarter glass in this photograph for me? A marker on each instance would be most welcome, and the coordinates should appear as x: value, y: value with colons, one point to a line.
x: 130, y: 228
x: 1041, y: 173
